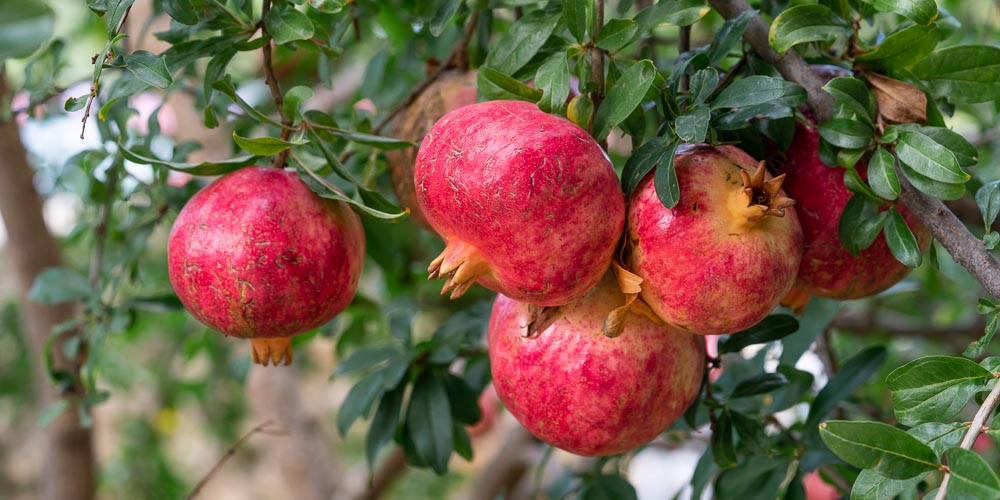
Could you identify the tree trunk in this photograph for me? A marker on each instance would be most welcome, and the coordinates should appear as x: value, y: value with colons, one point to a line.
x: 67, y: 471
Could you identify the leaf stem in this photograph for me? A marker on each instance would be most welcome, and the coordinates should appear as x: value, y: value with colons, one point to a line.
x: 99, y: 61
x: 272, y: 84
x: 975, y: 428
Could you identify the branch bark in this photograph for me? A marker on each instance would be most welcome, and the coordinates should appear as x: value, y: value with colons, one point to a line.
x: 67, y: 470
x: 967, y: 250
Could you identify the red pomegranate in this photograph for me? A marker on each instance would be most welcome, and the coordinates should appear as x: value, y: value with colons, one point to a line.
x: 527, y: 202
x: 258, y: 255
x: 587, y: 393
x: 828, y: 269
x: 722, y: 258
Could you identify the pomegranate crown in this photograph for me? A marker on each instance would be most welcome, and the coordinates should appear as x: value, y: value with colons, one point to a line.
x: 764, y: 196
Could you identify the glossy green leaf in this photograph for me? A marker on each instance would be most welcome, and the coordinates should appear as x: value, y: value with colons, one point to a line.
x: 263, y: 146
x: 758, y: 384
x: 939, y: 435
x: 854, y: 184
x: 851, y: 375
x: 693, y: 124
x: 882, y: 174
x: 977, y: 347
x: 428, y: 421
x: 853, y: 98
x: 671, y: 13
x: 903, y: 48
x: 24, y: 27
x: 932, y: 160
x: 76, y: 103
x: 359, y: 400
x: 668, y: 191
x: 739, y: 117
x: 367, y: 358
x: 204, y: 168
x: 879, y: 447
x: 521, y: 42
x: 607, y: 487
x: 375, y: 141
x: 384, y: 423
x: 464, y: 404
x: 149, y: 68
x: 846, y: 133
x: 855, y: 212
x: 988, y: 199
x: 117, y: 9
x: 326, y: 189
x: 901, y: 241
x: 868, y: 229
x: 624, y: 96
x: 644, y: 159
x: 496, y: 85
x: 937, y: 189
x: 751, y: 432
x: 181, y: 11
x: 934, y: 388
x: 759, y: 478
x: 871, y: 485
x: 443, y: 15
x: 728, y: 36
x: 552, y: 78
x: 963, y: 150
x: 56, y: 285
x: 771, y: 328
x: 962, y: 73
x: 703, y: 83
x: 723, y: 447
x: 919, y: 11
x: 616, y: 34
x: 578, y: 14
x: 805, y: 23
x: 293, y: 101
x: 227, y: 87
x: 286, y: 24
x: 971, y: 475
x: 758, y: 89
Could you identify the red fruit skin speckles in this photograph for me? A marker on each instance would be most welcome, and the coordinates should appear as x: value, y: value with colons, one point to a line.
x: 256, y: 254
x: 827, y: 269
x: 586, y: 393
x: 531, y: 196
x: 702, y: 270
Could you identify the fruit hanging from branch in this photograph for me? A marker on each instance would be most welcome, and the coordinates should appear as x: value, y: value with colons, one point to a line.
x: 527, y: 202
x: 584, y: 392
x: 258, y: 255
x: 722, y: 258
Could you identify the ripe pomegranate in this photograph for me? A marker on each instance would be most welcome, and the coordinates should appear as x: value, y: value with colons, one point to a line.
x: 258, y: 255
x: 451, y: 90
x: 722, y: 258
x: 587, y: 393
x: 829, y: 270
x: 527, y: 202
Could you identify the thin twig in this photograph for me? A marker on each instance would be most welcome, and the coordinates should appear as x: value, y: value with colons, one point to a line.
x: 975, y: 428
x: 684, y: 45
x: 262, y: 428
x: 272, y: 85
x: 728, y: 77
x: 94, y: 87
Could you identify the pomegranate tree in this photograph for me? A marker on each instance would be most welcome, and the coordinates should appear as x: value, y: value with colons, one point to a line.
x: 527, y: 203
x: 828, y: 269
x: 258, y: 255
x: 723, y: 257
x: 584, y: 392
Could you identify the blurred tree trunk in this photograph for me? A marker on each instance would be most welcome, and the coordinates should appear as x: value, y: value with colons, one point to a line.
x: 67, y: 470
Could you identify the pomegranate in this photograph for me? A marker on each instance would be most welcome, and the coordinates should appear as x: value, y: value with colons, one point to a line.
x: 258, y: 255
x: 587, y: 393
x: 722, y: 258
x: 828, y: 269
x: 451, y: 90
x: 527, y: 202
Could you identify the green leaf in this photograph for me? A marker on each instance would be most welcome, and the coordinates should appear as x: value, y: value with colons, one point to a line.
x: 751, y: 432
x: 366, y: 359
x: 227, y: 87
x: 937, y: 189
x: 616, y: 34
x: 205, y: 168
x: 668, y: 191
x: 149, y: 68
x: 846, y: 133
x: 577, y: 14
x: 293, y: 101
x: 359, y: 400
x: 851, y: 375
x: 116, y: 13
x: 901, y: 241
x: 738, y: 118
x: 644, y: 159
x: 552, y: 78
x: 51, y: 412
x: 521, y: 42
x: 286, y: 24
x: 693, y: 124
x: 624, y: 96
x: 24, y: 27
x: 871, y: 485
x: 759, y: 384
x: 728, y: 36
x: 758, y: 89
x: 76, y: 103
x: 962, y: 73
x: 988, y: 199
x: 56, y: 285
x: 771, y: 328
x: 443, y: 16
x: 464, y: 403
x: 879, y: 447
x: 723, y: 449
x: 964, y: 151
x: 939, y: 436
x: 759, y: 478
x: 671, y: 13
x: 927, y: 157
x: 496, y: 85
x: 852, y: 227
x: 428, y: 421
x: 971, y: 475
x: 934, y: 388
x: 181, y: 11
x: 976, y: 348
x: 903, y: 48
x: 263, y: 146
x: 854, y: 184
x: 326, y: 189
x: 375, y: 141
x: 853, y: 98
x: 919, y: 11
x: 703, y: 83
x: 882, y: 174
x: 803, y: 24
x: 384, y: 423
x: 607, y: 487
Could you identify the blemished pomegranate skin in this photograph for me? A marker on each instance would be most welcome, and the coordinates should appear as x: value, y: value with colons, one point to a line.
x: 828, y: 269
x: 717, y: 262
x: 258, y: 255
x: 584, y: 392
x: 527, y: 203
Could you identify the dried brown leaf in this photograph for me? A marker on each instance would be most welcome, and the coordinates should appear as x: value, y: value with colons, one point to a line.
x: 898, y: 102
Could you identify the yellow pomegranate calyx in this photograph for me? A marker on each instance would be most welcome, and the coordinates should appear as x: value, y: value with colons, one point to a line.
x: 759, y: 198
x: 463, y: 264
x: 271, y: 350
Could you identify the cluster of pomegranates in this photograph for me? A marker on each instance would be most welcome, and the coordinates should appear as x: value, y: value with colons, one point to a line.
x: 529, y: 205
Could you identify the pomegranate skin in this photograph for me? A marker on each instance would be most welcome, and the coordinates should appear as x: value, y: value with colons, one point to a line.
x: 828, y: 269
x: 256, y: 254
x: 706, y: 269
x: 586, y: 393
x: 527, y: 202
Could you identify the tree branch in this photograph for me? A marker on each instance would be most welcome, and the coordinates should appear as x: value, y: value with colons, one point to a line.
x: 263, y: 428
x: 967, y: 250
x: 975, y: 428
x: 272, y: 85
